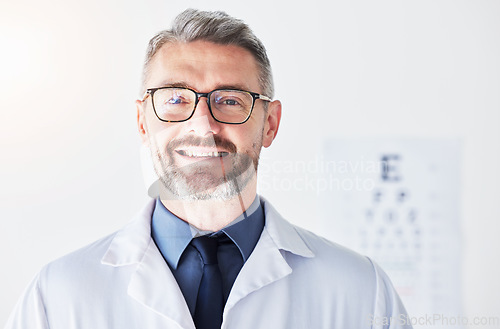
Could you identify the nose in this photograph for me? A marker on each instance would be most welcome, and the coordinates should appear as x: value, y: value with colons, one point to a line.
x: 202, y: 122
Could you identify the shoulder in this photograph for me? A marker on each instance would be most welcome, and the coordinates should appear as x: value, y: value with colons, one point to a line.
x: 337, y: 260
x: 79, y: 265
x: 97, y: 260
x: 329, y: 250
x: 321, y: 254
x: 84, y: 256
x: 336, y: 275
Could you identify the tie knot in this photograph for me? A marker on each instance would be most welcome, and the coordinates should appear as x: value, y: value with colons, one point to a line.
x: 207, y: 247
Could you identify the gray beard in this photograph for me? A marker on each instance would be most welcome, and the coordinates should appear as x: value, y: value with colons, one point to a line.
x: 204, y: 181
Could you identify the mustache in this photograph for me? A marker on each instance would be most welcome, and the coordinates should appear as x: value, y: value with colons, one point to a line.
x: 214, y: 140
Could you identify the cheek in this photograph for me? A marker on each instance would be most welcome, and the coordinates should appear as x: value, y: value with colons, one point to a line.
x: 159, y: 135
x: 152, y: 121
x: 250, y: 139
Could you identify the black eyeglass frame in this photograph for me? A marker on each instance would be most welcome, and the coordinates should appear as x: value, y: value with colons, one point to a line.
x: 255, y: 96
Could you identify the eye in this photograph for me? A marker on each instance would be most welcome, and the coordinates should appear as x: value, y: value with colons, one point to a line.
x: 227, y: 101
x: 175, y: 100
x: 230, y: 102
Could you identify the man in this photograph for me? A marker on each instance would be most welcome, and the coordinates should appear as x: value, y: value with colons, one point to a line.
x: 208, y: 252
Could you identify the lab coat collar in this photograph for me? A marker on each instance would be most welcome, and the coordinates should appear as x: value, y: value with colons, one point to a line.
x: 130, y: 243
x: 284, y: 234
x: 154, y: 285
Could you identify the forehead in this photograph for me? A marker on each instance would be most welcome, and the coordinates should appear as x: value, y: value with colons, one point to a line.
x: 203, y: 66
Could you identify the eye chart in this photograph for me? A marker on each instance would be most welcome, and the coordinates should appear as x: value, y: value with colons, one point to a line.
x: 397, y: 201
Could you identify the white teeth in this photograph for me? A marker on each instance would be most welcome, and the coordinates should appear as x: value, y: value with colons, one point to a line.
x: 190, y: 153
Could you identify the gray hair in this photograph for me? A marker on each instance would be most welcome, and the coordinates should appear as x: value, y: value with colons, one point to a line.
x: 217, y: 27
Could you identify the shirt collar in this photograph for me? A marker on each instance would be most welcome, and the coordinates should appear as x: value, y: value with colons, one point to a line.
x: 246, y: 229
x: 172, y: 235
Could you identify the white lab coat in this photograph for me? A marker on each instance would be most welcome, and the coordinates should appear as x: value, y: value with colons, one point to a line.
x: 293, y: 279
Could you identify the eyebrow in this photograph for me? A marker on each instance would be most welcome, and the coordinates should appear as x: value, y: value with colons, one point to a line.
x: 178, y: 84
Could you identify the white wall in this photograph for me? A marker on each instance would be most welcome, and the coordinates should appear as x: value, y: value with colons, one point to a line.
x: 69, y: 73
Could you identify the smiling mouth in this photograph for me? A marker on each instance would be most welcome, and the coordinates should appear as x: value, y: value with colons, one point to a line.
x: 196, y: 154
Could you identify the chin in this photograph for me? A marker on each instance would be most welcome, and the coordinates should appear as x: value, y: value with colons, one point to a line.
x: 205, y: 187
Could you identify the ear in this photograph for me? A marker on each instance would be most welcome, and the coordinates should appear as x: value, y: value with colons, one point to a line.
x: 141, y: 121
x: 272, y: 123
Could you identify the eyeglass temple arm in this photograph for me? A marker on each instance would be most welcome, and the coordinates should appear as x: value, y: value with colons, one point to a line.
x: 265, y: 98
x: 146, y: 94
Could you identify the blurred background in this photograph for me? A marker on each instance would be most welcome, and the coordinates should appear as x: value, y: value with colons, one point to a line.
x: 414, y: 81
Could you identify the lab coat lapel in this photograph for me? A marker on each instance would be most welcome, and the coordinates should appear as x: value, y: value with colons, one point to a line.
x: 264, y: 266
x: 152, y: 284
x: 267, y: 264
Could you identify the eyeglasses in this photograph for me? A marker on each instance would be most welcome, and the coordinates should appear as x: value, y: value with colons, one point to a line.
x: 232, y: 106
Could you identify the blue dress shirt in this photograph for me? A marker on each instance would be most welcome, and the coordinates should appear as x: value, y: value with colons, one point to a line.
x: 172, y: 235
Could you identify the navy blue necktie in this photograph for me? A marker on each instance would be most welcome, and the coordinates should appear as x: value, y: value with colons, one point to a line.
x: 210, y: 301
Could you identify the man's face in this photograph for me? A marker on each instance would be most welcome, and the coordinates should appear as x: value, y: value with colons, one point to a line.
x: 201, y: 158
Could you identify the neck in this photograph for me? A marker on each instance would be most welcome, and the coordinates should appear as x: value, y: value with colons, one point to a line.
x: 211, y: 215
